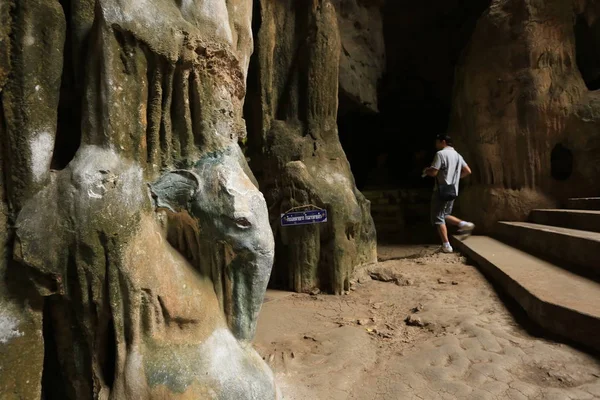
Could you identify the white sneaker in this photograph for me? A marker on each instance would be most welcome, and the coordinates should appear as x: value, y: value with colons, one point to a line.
x: 467, y: 228
x: 446, y: 248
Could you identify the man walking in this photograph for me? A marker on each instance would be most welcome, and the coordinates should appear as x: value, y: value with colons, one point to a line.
x: 448, y: 168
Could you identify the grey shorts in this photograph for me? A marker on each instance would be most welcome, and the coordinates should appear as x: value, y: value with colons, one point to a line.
x: 440, y: 209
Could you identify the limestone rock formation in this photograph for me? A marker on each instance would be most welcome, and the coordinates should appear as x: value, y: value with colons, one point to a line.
x: 362, y: 56
x: 295, y: 151
x: 230, y: 222
x: 526, y: 107
x: 140, y: 247
x: 146, y: 318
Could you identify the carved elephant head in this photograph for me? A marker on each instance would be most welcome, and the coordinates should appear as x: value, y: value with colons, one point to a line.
x: 232, y: 217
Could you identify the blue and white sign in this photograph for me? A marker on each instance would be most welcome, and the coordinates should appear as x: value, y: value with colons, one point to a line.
x: 303, y: 217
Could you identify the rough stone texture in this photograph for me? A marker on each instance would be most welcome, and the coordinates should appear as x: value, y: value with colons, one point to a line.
x: 118, y: 290
x: 232, y: 218
x: 519, y: 92
x: 362, y: 59
x: 116, y: 286
x: 21, y: 344
x: 5, y: 31
x: 295, y: 150
x: 31, y: 95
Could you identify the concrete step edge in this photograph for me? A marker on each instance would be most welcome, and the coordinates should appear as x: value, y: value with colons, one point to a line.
x: 585, y: 220
x: 566, y: 211
x: 578, y: 233
x: 572, y: 249
x: 587, y: 203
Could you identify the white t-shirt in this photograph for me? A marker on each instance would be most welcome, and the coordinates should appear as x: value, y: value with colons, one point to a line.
x: 449, y: 164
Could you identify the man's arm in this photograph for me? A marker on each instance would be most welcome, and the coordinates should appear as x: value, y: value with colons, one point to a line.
x: 465, y: 171
x: 435, y: 166
x: 431, y: 171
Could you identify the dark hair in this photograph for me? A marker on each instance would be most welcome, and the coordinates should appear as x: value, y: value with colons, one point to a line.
x: 442, y: 137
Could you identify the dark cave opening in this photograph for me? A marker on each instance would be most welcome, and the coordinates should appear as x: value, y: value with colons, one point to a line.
x: 68, y: 130
x: 109, y: 355
x: 53, y: 383
x: 587, y: 47
x: 561, y: 162
x: 387, y: 151
x: 252, y: 106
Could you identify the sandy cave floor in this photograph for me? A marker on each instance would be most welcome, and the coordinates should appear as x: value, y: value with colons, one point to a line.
x: 459, y: 342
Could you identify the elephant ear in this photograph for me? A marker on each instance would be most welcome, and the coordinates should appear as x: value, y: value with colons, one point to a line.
x: 175, y: 190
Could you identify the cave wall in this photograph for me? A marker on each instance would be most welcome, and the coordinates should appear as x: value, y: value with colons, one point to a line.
x: 120, y: 166
x: 136, y: 247
x: 21, y: 343
x: 362, y: 55
x: 362, y: 66
x: 293, y: 139
x: 519, y: 92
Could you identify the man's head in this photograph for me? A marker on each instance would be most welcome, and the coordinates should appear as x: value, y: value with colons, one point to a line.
x: 442, y: 141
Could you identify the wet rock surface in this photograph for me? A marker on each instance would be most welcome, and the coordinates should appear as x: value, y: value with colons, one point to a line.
x: 462, y: 343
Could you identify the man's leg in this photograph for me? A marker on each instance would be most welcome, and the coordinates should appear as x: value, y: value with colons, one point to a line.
x: 463, y: 226
x: 453, y: 220
x: 443, y: 232
x: 439, y: 211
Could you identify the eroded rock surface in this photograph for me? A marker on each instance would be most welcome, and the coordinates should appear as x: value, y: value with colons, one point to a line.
x: 131, y: 302
x: 232, y: 226
x: 520, y: 93
x: 138, y: 264
x: 295, y: 149
x: 362, y: 56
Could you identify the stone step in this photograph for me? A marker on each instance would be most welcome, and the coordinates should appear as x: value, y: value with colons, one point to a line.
x: 584, y: 203
x: 571, y: 248
x: 560, y: 301
x: 585, y: 220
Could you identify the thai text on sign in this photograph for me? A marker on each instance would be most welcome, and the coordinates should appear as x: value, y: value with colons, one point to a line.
x: 303, y: 217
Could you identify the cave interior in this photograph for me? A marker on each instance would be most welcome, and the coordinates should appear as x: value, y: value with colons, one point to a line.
x: 388, y: 150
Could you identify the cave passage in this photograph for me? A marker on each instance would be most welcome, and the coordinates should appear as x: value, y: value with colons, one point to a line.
x: 388, y: 150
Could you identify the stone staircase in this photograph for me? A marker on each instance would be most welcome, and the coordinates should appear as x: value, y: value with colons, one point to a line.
x: 550, y: 266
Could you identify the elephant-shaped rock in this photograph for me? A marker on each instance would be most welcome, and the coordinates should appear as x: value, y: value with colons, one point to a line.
x: 131, y: 316
x: 231, y: 215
